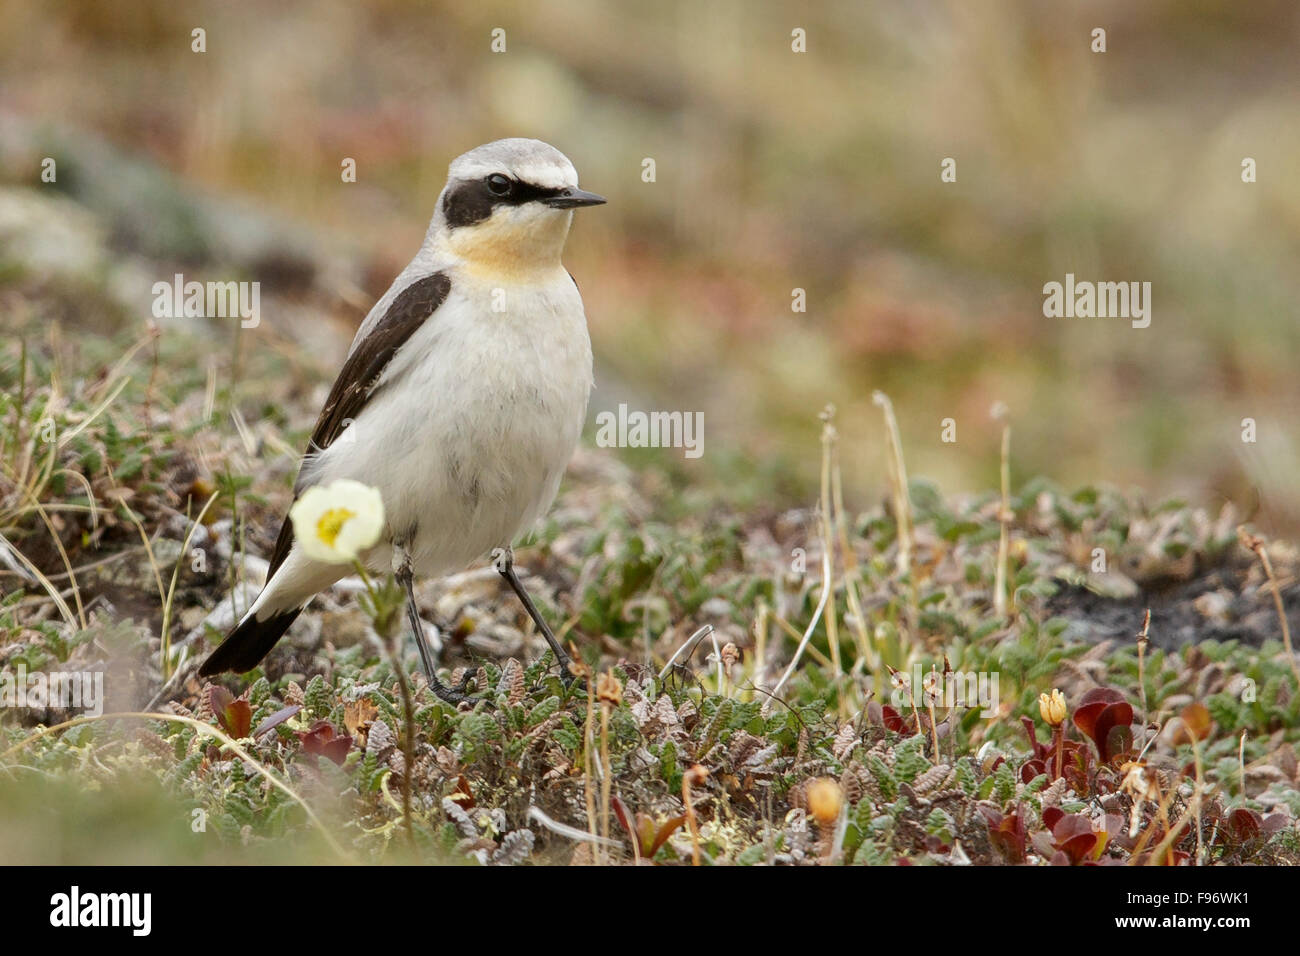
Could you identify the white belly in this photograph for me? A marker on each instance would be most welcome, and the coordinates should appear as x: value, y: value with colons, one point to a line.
x: 472, y: 426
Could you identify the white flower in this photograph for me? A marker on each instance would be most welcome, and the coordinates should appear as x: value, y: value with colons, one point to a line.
x: 335, y: 522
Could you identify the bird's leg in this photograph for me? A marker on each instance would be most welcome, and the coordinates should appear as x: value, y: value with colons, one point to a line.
x: 504, y: 559
x: 402, y: 570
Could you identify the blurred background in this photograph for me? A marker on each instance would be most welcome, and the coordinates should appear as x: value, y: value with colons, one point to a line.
x: 774, y: 170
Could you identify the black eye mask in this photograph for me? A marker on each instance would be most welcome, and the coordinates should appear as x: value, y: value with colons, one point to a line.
x: 473, y: 200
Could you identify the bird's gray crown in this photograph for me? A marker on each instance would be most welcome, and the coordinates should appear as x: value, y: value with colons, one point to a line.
x: 526, y: 160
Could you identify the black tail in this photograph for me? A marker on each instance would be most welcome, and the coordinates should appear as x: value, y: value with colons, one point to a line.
x: 248, y: 643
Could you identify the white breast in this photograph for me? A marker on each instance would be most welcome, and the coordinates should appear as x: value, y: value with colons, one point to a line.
x: 474, y: 420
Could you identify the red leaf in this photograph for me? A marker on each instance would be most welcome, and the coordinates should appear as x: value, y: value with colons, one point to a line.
x: 1071, y: 825
x: 1006, y: 833
x: 1073, y: 835
x: 1106, y: 717
x: 1117, y: 722
x: 894, y: 722
x: 464, y: 793
x: 1078, y: 848
x: 1042, y: 751
x: 324, y: 741
x: 234, y: 714
x: 1091, y: 704
x: 1030, y: 769
x: 620, y: 811
x: 238, y: 718
x: 1245, y: 824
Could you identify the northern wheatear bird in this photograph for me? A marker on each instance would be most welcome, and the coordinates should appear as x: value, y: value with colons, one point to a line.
x: 462, y: 398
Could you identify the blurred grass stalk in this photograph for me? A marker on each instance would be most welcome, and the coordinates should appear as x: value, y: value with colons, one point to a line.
x: 897, y: 482
x: 999, y: 413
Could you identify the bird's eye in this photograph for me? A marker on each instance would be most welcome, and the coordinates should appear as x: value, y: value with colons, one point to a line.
x: 498, y: 185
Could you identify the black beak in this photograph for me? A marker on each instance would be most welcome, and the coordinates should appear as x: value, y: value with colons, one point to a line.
x: 573, y: 198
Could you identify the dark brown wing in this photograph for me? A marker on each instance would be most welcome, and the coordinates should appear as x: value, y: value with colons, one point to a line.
x: 354, y: 386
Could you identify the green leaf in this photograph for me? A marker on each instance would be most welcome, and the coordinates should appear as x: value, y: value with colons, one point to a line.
x: 543, y: 710
x: 752, y: 855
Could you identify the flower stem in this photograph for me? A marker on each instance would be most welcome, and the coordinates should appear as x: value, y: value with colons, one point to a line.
x: 408, y: 707
x: 1058, y: 732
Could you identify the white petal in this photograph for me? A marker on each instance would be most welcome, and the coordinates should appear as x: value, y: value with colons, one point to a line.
x: 361, y: 530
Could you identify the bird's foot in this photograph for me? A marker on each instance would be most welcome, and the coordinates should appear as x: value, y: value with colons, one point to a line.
x: 566, y: 677
x: 456, y: 694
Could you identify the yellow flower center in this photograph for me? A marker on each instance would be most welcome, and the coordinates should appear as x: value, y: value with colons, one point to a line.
x: 331, y: 523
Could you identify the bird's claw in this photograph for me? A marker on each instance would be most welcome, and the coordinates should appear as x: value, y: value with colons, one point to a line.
x: 456, y: 694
